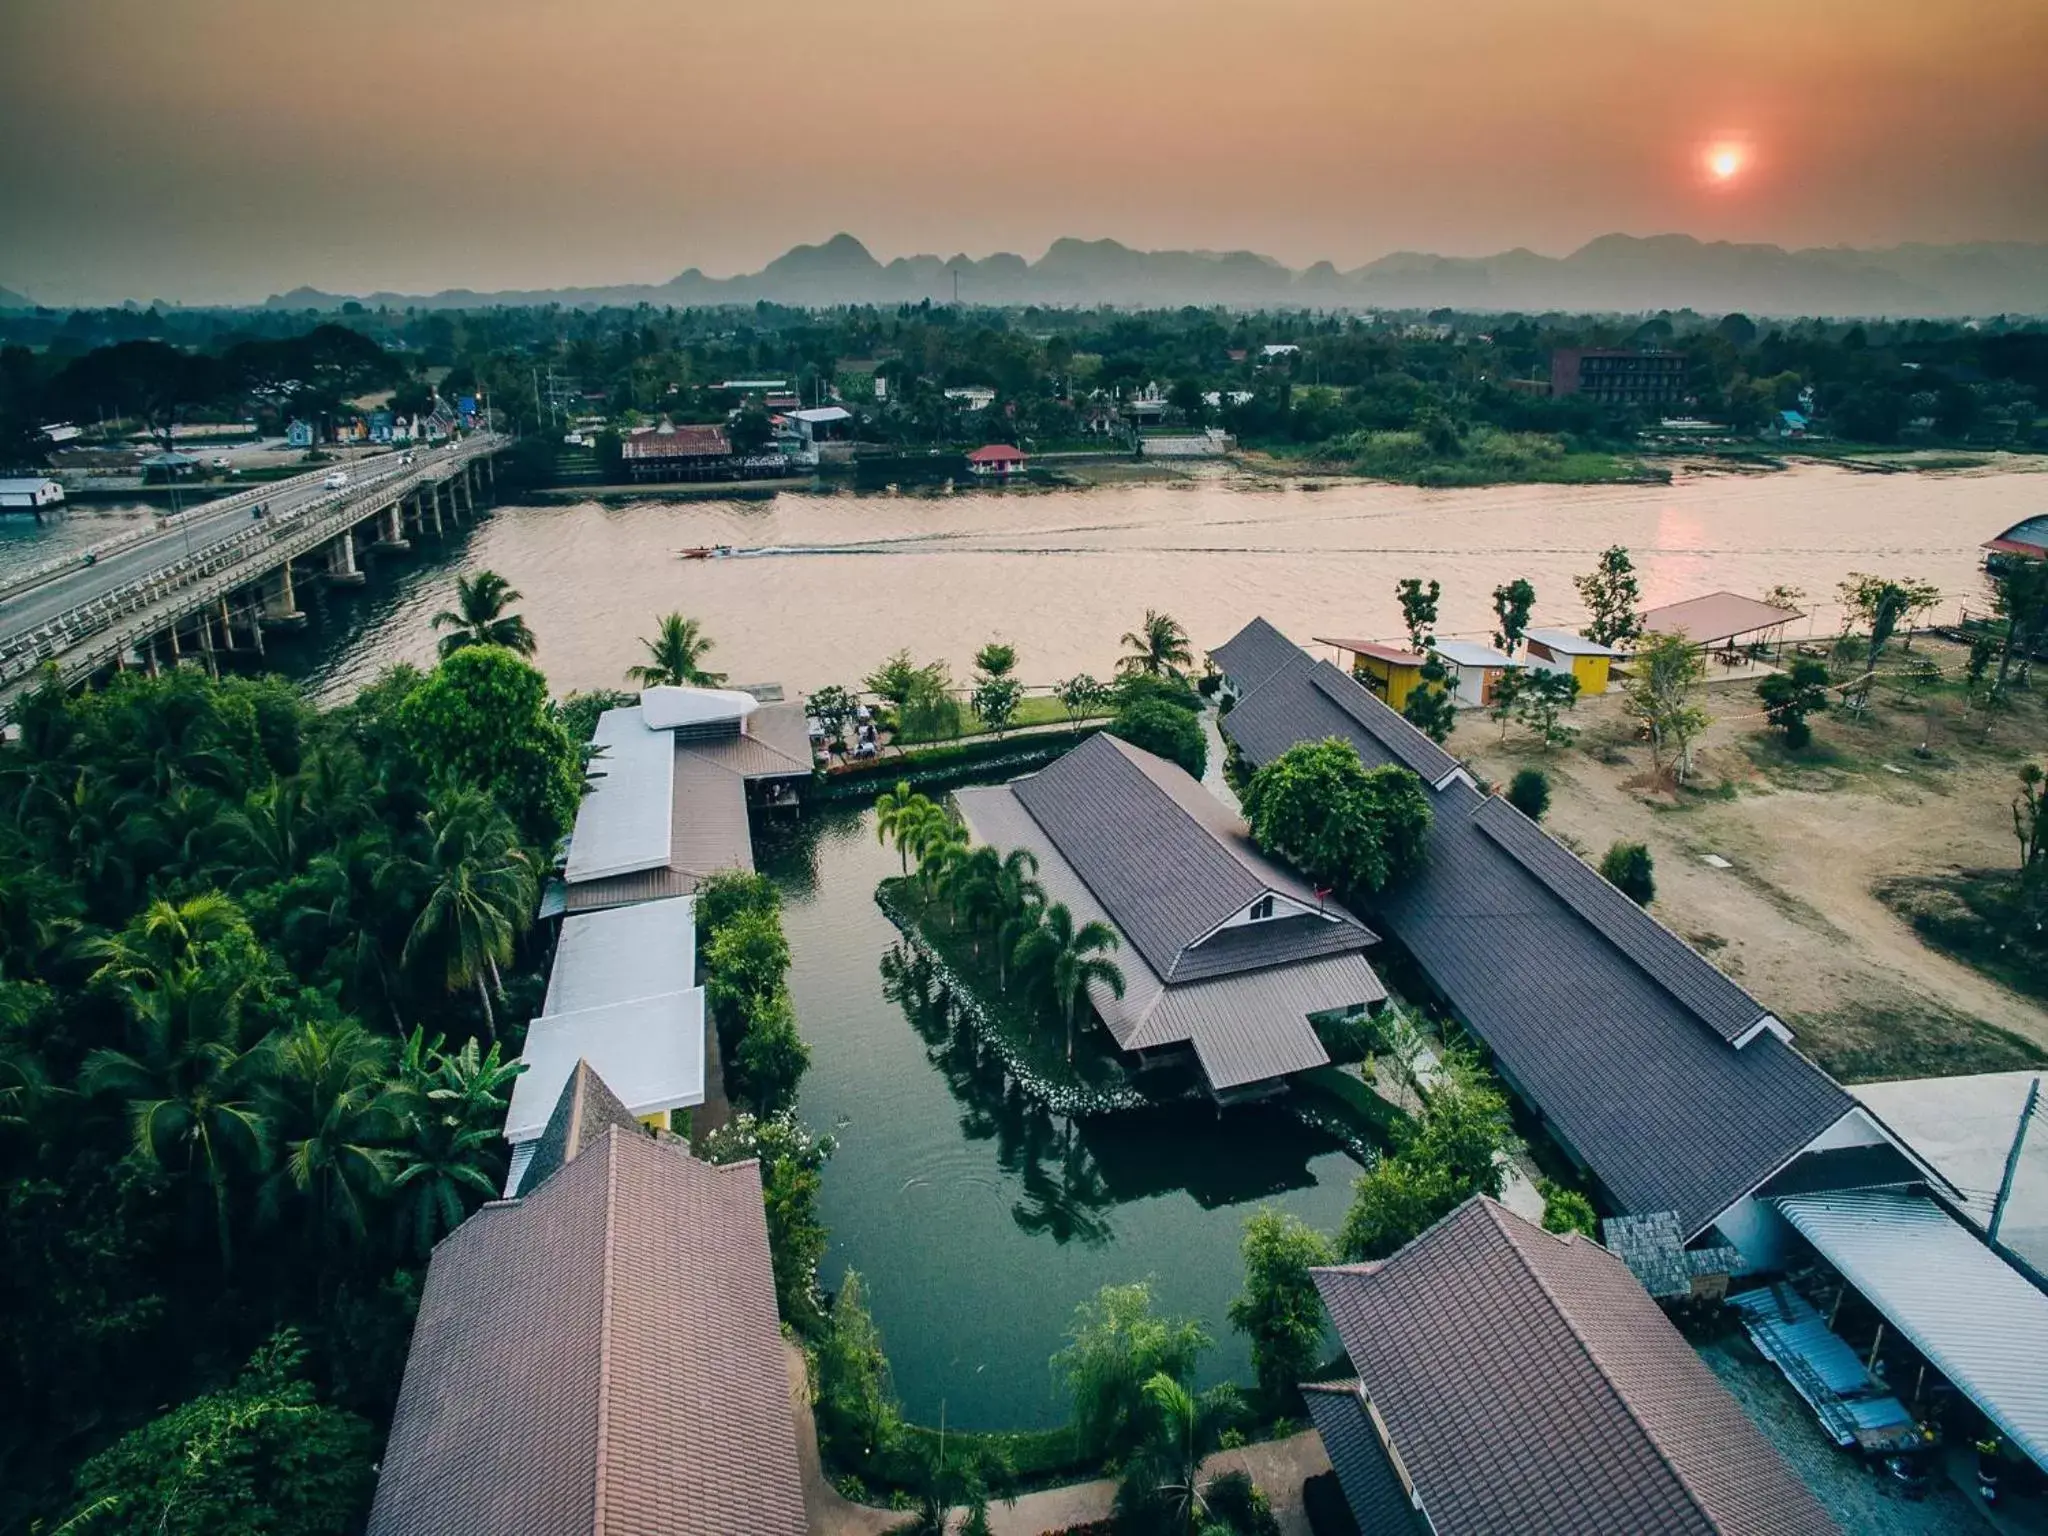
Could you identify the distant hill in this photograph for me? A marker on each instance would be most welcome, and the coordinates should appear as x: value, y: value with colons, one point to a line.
x: 1620, y: 273
x: 9, y: 299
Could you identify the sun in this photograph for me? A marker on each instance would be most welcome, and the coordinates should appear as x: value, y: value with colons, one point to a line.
x: 1725, y: 161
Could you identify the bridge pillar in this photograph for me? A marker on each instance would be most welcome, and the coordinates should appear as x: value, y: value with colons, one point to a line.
x: 392, y: 527
x: 430, y: 512
x: 468, y: 492
x: 491, y: 469
x: 279, y: 603
x: 341, y: 561
x: 437, y: 501
x: 176, y: 654
x: 206, y: 644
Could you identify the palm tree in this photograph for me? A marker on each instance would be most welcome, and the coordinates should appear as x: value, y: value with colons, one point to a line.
x: 480, y: 896
x: 1070, y: 959
x: 453, y: 1105
x: 345, y: 920
x: 479, y: 616
x: 270, y: 836
x: 164, y: 941
x: 325, y: 1103
x: 995, y: 889
x: 1164, y: 1478
x: 675, y: 657
x: 895, y: 809
x: 1158, y: 647
x: 189, y: 1079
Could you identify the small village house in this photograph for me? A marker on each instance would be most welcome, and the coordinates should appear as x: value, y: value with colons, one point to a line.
x: 1560, y: 650
x: 1387, y: 670
x: 995, y: 461
x: 1475, y: 669
x: 32, y: 493
x: 299, y: 434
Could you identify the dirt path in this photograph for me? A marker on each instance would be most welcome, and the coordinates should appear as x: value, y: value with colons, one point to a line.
x: 1794, y: 917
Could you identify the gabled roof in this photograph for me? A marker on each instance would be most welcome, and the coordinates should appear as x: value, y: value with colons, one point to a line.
x: 1379, y: 1504
x: 602, y: 1356
x: 583, y: 1110
x: 1167, y: 863
x: 673, y: 442
x: 1569, y: 642
x: 1588, y: 1006
x: 1717, y: 616
x: 1528, y: 1383
x: 995, y: 453
x: 1252, y: 655
x: 1392, y: 655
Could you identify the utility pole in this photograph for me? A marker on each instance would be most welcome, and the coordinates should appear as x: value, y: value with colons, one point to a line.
x: 2012, y: 1159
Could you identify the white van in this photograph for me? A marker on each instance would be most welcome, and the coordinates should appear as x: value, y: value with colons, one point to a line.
x: 338, y: 481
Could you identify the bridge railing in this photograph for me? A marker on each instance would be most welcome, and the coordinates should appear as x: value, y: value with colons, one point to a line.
x: 301, y: 529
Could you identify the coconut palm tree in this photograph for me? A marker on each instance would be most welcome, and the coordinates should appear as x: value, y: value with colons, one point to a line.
x: 675, y: 657
x: 1069, y: 959
x: 326, y: 1103
x: 189, y: 1078
x: 479, y: 616
x: 480, y: 895
x: 895, y: 810
x: 1163, y: 1480
x: 346, y: 920
x: 453, y: 1105
x: 1158, y: 647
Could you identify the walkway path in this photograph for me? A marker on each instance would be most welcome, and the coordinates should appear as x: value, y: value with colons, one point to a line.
x: 1279, y: 1467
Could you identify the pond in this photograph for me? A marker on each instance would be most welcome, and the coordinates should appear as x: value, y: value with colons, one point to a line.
x: 977, y: 1221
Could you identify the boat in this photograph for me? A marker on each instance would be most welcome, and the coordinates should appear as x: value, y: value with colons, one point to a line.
x: 706, y: 552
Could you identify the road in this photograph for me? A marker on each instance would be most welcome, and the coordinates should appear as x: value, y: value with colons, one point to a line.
x: 191, y: 534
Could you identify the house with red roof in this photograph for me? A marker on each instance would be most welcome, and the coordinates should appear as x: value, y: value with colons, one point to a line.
x: 996, y: 461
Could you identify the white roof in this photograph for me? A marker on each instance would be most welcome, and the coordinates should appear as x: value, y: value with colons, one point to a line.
x: 614, y: 956
x: 25, y: 487
x: 623, y: 823
x: 664, y: 709
x: 649, y: 1051
x: 1963, y: 1128
x: 1470, y: 653
x: 1969, y: 1312
x: 1570, y: 642
x: 823, y: 413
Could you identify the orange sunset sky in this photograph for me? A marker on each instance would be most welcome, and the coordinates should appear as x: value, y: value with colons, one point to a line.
x: 227, y: 149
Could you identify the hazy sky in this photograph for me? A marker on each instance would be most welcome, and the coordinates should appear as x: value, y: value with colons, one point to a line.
x: 227, y: 149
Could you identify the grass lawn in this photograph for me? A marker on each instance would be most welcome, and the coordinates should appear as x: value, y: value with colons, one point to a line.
x: 1972, y: 917
x: 1872, y: 1044
x: 1033, y: 709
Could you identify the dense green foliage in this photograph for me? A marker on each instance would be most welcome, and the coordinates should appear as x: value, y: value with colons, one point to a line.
x: 1793, y: 694
x: 1165, y: 731
x: 222, y: 914
x: 260, y: 1457
x: 1566, y: 1210
x: 483, y: 715
x: 746, y: 982
x: 1353, y: 829
x: 792, y: 1174
x: 1279, y: 1310
x: 1451, y: 1153
x: 1115, y: 1346
x: 1629, y: 868
x: 1529, y: 792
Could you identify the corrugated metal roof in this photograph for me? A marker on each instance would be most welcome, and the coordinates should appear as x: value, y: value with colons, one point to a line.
x: 650, y: 1050
x: 1528, y: 1383
x: 1570, y: 642
x: 1470, y: 653
x: 613, y: 957
x: 1973, y: 1315
x: 622, y: 824
x: 667, y: 707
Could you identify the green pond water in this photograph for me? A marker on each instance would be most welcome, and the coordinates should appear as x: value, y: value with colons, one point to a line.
x: 978, y: 1221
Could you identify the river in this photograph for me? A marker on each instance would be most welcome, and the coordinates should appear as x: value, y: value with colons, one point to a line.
x: 977, y: 1222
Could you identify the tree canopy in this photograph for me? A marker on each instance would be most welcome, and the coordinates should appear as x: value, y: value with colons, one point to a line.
x: 1353, y: 829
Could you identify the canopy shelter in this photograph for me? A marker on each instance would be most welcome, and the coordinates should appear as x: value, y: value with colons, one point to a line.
x: 1969, y: 1313
x: 1719, y: 618
x: 2028, y: 539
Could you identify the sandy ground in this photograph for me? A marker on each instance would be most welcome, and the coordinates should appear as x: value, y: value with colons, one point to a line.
x: 1794, y: 917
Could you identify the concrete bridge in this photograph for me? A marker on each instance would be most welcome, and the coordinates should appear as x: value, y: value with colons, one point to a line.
x: 212, y: 580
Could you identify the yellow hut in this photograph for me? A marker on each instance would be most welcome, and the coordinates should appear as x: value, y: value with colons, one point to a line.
x: 1559, y: 650
x: 1387, y: 670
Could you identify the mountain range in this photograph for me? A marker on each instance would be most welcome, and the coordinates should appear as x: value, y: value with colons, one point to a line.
x: 1614, y: 274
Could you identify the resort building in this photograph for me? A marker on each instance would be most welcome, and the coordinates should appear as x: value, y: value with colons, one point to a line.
x: 1715, y: 622
x: 1227, y: 958
x: 995, y: 461
x: 1387, y: 670
x: 1560, y: 650
x: 1475, y: 669
x: 670, y: 452
x: 671, y: 782
x: 1670, y: 1086
x: 623, y: 997
x: 1511, y: 1380
x: 601, y: 1354
x: 1251, y: 656
x: 1649, y: 381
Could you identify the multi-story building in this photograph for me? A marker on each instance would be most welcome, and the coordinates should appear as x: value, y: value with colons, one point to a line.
x: 1617, y: 376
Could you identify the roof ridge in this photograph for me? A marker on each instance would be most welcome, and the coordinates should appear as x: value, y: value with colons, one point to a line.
x: 1566, y: 1240
x: 604, y: 1325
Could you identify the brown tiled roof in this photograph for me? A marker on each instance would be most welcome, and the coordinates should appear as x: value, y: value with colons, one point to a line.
x: 585, y: 1106
x: 708, y: 831
x: 600, y: 1356
x: 1528, y: 1383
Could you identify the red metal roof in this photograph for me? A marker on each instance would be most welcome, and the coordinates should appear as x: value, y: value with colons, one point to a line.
x: 996, y: 453
x: 1393, y: 655
x: 686, y: 442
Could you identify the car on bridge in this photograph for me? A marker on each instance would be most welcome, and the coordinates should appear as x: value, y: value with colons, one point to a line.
x: 338, y: 481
